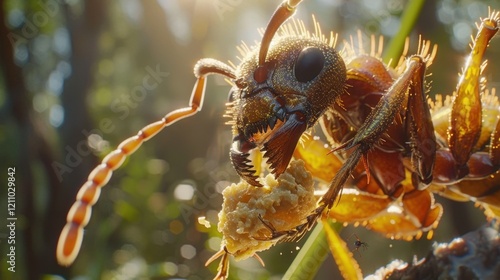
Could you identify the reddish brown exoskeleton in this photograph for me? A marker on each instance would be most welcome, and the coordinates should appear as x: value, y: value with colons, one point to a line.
x: 370, y: 112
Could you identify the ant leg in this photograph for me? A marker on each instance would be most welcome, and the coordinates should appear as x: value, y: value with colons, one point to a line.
x: 377, y: 123
x: 368, y: 134
x: 79, y: 214
x: 466, y: 114
x: 419, y: 126
x: 357, y: 238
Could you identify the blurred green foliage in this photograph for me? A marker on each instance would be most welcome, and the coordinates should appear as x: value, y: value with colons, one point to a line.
x: 92, y: 73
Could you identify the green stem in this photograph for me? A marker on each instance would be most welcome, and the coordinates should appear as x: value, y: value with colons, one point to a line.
x: 312, y: 254
x: 408, y: 20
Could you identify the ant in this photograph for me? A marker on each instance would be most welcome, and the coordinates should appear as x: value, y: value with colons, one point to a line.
x: 358, y: 244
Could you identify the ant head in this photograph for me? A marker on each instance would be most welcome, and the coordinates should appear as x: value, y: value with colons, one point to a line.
x: 280, y: 91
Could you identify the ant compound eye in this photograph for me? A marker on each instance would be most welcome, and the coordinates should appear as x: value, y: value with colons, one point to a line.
x: 308, y: 65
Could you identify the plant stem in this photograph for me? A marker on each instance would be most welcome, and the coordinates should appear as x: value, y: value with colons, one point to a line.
x: 311, y: 256
x: 408, y: 20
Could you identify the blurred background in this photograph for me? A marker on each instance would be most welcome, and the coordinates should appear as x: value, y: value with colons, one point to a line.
x: 78, y: 77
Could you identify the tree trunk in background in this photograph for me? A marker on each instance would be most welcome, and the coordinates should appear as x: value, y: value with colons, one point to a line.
x: 84, y: 35
x: 33, y: 148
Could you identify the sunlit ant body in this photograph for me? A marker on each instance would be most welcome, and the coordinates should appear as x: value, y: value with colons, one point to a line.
x: 367, y: 109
